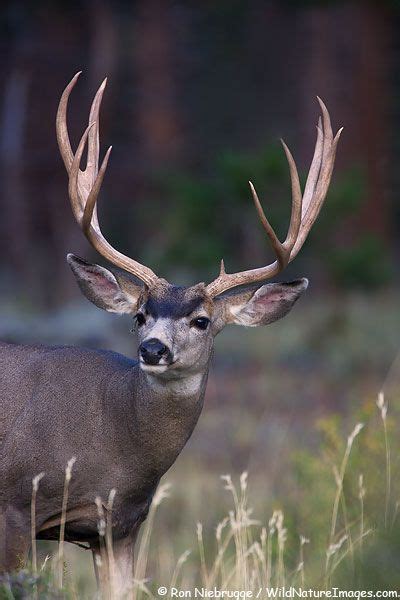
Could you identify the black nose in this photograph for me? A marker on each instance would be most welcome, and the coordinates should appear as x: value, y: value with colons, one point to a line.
x: 152, y: 350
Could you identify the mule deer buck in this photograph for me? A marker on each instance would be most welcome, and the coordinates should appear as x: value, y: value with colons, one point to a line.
x: 126, y: 421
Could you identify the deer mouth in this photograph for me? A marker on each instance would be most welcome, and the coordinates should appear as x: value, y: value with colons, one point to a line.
x: 159, y: 367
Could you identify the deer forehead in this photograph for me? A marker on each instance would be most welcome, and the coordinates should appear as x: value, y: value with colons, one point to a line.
x: 173, y: 302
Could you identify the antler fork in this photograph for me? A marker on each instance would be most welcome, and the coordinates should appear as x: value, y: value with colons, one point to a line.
x: 305, y: 210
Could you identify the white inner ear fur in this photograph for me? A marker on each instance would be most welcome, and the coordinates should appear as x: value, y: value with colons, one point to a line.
x: 242, y: 316
x: 268, y: 304
x: 102, y: 288
x: 127, y: 301
x: 117, y: 300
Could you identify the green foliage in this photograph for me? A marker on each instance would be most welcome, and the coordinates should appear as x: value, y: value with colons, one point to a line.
x: 213, y: 218
x: 210, y: 218
x: 353, y: 260
x: 363, y: 263
x: 371, y: 561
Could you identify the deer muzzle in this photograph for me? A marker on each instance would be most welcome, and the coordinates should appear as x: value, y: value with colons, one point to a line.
x: 153, y: 352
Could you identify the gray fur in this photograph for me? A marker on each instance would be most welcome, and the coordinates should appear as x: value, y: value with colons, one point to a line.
x: 125, y: 422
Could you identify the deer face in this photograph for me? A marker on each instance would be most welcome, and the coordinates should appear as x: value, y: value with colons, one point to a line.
x: 176, y: 326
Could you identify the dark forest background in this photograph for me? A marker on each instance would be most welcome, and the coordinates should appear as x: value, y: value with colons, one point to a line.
x: 199, y: 94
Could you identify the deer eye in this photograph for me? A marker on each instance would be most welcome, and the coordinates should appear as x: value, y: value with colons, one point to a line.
x: 200, y: 323
x: 140, y: 319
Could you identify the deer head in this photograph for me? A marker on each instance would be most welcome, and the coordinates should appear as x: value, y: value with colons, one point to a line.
x: 176, y: 325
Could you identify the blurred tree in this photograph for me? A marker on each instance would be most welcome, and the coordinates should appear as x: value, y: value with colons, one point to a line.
x: 14, y: 225
x: 155, y: 63
x: 348, y: 67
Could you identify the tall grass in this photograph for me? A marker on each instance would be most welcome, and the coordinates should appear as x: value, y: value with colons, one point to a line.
x: 35, y: 487
x: 244, y: 552
x: 383, y: 410
x: 67, y: 479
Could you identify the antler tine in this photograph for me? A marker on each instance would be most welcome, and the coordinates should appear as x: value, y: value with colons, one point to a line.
x: 90, y: 206
x: 84, y: 186
x: 305, y: 209
x: 61, y: 124
x: 282, y: 250
x: 77, y: 203
x: 314, y: 168
x: 94, y: 141
x: 92, y: 163
x: 320, y: 180
x: 278, y: 248
x: 297, y: 200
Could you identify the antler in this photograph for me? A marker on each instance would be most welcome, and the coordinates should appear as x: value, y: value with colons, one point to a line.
x: 305, y: 209
x: 84, y: 186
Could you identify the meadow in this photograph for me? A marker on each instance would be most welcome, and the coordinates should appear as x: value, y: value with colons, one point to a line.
x: 291, y: 476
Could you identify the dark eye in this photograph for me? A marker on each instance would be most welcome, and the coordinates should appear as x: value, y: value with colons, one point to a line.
x: 140, y: 319
x: 200, y: 323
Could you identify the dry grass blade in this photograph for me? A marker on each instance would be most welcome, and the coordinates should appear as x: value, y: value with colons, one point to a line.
x: 35, y: 487
x: 181, y: 561
x: 141, y: 564
x: 383, y: 410
x: 300, y: 567
x: 339, y: 476
x: 109, y: 541
x: 67, y: 479
x: 199, y: 531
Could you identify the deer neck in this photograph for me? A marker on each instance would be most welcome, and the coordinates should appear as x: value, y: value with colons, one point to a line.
x: 160, y: 416
x: 172, y: 404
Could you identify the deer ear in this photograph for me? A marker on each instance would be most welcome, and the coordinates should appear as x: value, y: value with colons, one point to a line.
x: 101, y: 287
x: 261, y: 307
